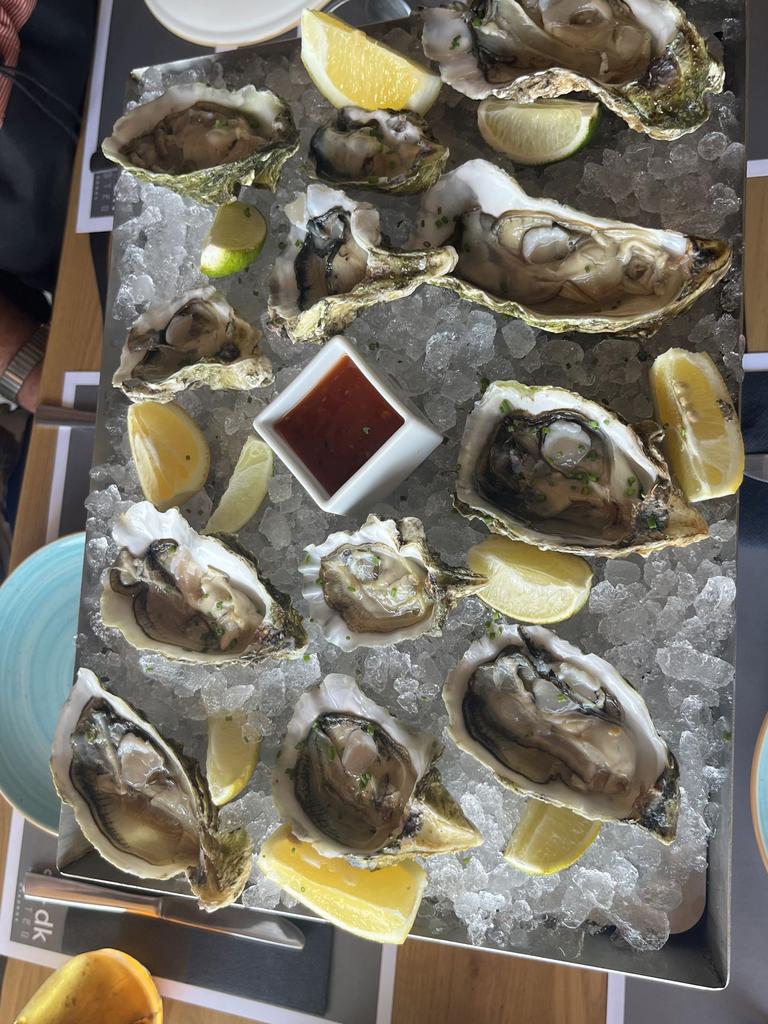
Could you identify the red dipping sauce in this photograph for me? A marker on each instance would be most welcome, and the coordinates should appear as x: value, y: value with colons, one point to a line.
x: 340, y: 424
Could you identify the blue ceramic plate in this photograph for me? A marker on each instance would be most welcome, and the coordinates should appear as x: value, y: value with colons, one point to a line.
x: 39, y: 604
x: 759, y: 792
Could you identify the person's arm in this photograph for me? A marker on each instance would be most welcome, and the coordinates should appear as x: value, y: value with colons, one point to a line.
x: 17, y: 330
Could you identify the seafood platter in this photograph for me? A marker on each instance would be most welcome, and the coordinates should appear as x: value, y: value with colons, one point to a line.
x: 455, y: 357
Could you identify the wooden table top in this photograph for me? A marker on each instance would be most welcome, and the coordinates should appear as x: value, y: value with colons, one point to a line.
x: 434, y: 983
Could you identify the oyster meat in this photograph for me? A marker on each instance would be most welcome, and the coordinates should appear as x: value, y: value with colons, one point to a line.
x: 142, y: 805
x: 204, y: 142
x: 381, y: 584
x: 197, y: 340
x: 555, y: 267
x: 548, y: 467
x: 389, y: 150
x: 564, y: 727
x: 192, y: 597
x: 335, y: 264
x: 355, y: 782
x: 642, y: 58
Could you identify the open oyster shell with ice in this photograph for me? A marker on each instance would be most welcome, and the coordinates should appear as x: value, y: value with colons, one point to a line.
x: 204, y: 142
x: 192, y: 597
x: 335, y: 264
x: 389, y: 150
x: 381, y: 584
x: 194, y: 341
x: 355, y: 782
x: 564, y: 727
x: 548, y: 467
x: 642, y: 58
x: 557, y: 268
x: 145, y: 807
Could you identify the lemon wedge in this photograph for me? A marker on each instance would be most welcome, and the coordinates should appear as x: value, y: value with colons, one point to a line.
x: 236, y: 238
x: 246, y: 489
x: 528, y: 584
x: 351, y: 69
x: 702, y: 432
x: 170, y: 452
x: 549, y: 839
x: 231, y: 758
x: 537, y: 133
x: 103, y: 986
x: 379, y: 905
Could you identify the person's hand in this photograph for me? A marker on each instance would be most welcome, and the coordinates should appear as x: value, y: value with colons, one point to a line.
x: 16, y: 328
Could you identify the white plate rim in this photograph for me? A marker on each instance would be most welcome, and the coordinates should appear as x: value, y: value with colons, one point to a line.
x: 288, y: 18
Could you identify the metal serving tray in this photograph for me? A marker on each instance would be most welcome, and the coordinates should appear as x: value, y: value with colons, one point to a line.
x: 698, y: 953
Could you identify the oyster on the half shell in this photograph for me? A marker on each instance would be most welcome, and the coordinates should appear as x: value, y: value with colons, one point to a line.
x: 355, y: 782
x: 192, y: 597
x: 194, y: 341
x: 204, y: 142
x: 381, y: 584
x: 642, y: 58
x: 145, y: 807
x: 548, y: 467
x: 564, y: 727
x: 335, y: 264
x: 555, y: 267
x: 389, y: 150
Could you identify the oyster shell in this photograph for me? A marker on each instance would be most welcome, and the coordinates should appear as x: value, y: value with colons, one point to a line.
x: 548, y: 467
x: 642, y: 58
x: 556, y: 268
x: 194, y: 341
x: 355, y: 782
x: 205, y: 143
x: 389, y: 150
x: 335, y: 265
x: 381, y: 584
x: 564, y: 727
x: 142, y: 805
x: 192, y: 597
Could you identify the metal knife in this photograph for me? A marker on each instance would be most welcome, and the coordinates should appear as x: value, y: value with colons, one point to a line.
x: 756, y: 466
x: 238, y: 921
x: 63, y: 416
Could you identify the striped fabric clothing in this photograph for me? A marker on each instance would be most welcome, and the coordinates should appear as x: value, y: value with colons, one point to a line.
x: 13, y: 15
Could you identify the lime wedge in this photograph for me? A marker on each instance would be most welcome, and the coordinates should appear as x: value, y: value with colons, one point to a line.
x: 529, y: 584
x: 549, y: 839
x: 236, y: 238
x: 246, y: 489
x: 537, y: 133
x: 231, y: 759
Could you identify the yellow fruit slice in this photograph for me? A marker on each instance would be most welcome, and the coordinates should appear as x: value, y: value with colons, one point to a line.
x: 379, y: 905
x: 236, y: 238
x: 231, y: 758
x: 549, y: 839
x: 246, y: 489
x: 528, y: 584
x: 703, y: 440
x: 171, y: 455
x: 350, y: 69
x: 104, y: 986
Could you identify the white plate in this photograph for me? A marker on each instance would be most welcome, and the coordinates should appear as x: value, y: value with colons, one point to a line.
x: 229, y: 22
